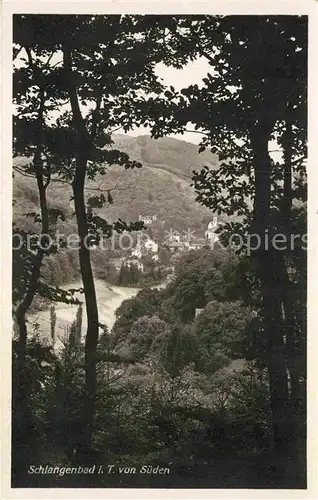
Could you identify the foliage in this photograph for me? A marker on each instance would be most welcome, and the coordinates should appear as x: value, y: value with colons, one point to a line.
x: 200, y: 276
x: 221, y: 332
x: 145, y: 303
x: 129, y: 275
x: 145, y: 330
x: 168, y: 384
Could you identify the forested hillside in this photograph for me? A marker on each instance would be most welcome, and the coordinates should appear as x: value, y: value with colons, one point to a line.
x: 182, y: 383
x: 160, y: 187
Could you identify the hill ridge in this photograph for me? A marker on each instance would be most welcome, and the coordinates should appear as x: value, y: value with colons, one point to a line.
x: 161, y: 186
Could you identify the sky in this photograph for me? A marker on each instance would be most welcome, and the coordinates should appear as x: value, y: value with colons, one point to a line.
x: 191, y: 74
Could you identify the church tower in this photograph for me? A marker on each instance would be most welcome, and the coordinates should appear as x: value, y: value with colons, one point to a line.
x: 210, y: 234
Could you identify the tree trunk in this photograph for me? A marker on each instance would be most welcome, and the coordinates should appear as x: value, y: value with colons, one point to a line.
x: 78, y: 186
x: 91, y: 304
x: 270, y: 289
x: 295, y: 334
x: 287, y: 143
x: 42, y: 186
x: 296, y: 354
x: 23, y: 432
x: 22, y: 308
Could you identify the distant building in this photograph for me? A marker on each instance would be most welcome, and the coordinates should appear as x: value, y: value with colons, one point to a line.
x: 197, y: 245
x: 117, y: 262
x: 137, y: 251
x: 143, y: 248
x: 198, y: 311
x: 214, y: 223
x: 210, y: 234
x: 130, y: 262
x: 152, y: 246
x: 173, y: 237
x: 176, y: 246
x: 147, y: 219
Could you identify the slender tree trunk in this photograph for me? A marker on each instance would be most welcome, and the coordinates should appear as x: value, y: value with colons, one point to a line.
x: 288, y: 169
x: 295, y: 351
x: 22, y: 429
x: 22, y: 308
x: 78, y: 186
x: 295, y: 336
x: 91, y: 305
x: 271, y: 292
x: 86, y: 141
x: 20, y: 391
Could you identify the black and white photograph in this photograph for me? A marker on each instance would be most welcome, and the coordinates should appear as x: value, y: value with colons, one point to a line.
x: 159, y: 251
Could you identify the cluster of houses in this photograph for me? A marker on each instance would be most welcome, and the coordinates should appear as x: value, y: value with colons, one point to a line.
x: 147, y: 248
x: 176, y: 243
x: 144, y: 248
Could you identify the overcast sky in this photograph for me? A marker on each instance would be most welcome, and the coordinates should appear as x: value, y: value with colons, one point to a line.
x: 193, y: 73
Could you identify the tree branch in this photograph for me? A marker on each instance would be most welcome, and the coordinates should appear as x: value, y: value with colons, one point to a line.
x: 96, y: 113
x: 99, y: 189
x: 29, y: 54
x: 77, y: 115
x: 195, y: 132
x: 15, y: 54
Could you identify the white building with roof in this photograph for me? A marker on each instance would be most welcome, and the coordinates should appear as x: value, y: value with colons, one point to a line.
x: 151, y: 246
x: 210, y: 234
x: 147, y: 219
x: 130, y: 262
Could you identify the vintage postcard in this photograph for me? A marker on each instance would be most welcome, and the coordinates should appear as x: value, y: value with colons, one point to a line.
x: 157, y: 333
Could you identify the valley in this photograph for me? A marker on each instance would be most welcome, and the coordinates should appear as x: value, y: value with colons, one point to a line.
x: 109, y: 298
